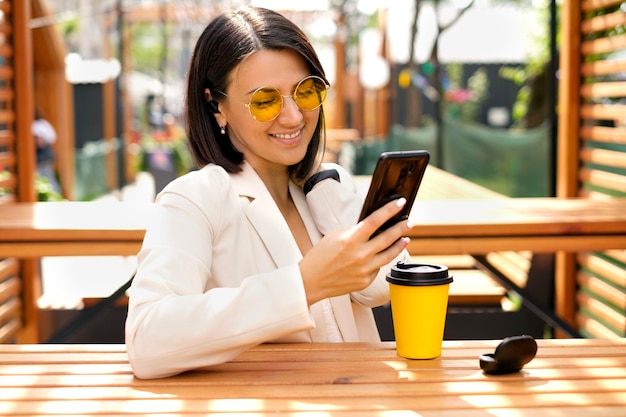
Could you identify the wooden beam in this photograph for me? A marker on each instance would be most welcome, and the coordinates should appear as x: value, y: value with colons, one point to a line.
x: 24, y: 100
x: 53, y: 93
x: 569, y: 101
x: 568, y: 148
x: 109, y: 113
x: 24, y: 106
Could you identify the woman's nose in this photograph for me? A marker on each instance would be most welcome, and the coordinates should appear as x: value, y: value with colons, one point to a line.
x: 290, y: 112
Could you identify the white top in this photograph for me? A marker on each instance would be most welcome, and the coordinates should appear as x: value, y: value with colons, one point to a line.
x: 44, y: 130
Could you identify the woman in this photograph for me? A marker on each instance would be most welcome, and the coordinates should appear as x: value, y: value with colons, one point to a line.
x: 261, y: 244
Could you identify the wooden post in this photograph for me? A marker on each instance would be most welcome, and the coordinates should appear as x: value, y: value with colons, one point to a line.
x: 569, y: 101
x: 340, y: 70
x: 52, y: 93
x: 24, y: 108
x: 383, y: 95
x: 108, y: 116
x: 125, y: 55
x: 24, y: 100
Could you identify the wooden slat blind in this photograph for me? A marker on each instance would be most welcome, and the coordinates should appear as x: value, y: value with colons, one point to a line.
x: 20, y: 65
x: 601, y: 291
x: 603, y: 98
x: 15, y: 97
x: 10, y: 302
x: 8, y: 159
x: 10, y: 283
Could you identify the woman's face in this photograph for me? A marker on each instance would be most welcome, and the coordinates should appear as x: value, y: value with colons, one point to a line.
x: 279, y: 143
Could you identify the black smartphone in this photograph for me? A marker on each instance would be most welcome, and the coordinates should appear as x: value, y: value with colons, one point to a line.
x: 397, y: 174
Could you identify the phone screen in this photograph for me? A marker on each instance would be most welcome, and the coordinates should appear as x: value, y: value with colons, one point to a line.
x: 397, y: 174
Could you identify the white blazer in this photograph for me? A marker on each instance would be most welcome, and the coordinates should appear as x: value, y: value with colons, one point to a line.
x: 218, y: 273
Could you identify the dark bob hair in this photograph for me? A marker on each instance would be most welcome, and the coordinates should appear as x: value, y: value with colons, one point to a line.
x: 226, y: 42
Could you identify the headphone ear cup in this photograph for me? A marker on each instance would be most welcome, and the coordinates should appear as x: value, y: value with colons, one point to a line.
x: 213, y: 106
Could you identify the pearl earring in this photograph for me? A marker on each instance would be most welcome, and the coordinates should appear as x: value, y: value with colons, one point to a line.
x: 223, y: 130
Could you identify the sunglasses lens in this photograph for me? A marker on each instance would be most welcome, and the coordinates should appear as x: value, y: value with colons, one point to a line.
x: 265, y: 104
x: 310, y: 93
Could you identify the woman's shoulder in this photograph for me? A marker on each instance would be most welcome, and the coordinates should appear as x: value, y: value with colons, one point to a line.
x: 344, y: 174
x: 211, y: 181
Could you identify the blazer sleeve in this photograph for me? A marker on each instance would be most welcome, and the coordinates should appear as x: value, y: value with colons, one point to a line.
x: 179, y: 317
x: 336, y: 205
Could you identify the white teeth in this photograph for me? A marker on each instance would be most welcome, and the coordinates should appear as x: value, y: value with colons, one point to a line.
x: 281, y: 136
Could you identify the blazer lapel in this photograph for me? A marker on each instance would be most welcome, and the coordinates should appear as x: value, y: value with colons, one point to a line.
x: 266, y: 218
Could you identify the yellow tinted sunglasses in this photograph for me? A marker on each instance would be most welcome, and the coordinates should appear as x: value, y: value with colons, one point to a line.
x: 266, y: 103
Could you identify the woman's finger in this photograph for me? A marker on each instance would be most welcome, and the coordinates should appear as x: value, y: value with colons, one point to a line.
x: 371, y: 223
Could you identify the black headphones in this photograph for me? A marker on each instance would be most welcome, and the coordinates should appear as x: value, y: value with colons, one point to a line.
x: 213, y: 105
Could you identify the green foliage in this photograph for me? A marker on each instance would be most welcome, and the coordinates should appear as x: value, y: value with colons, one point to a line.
x: 147, y: 45
x: 455, y: 74
x: 5, y: 174
x: 69, y: 27
x: 516, y: 74
x: 478, y: 86
x: 44, y: 190
x: 521, y: 105
x: 535, y: 66
x: 183, y: 162
x: 519, y: 75
x: 464, y: 102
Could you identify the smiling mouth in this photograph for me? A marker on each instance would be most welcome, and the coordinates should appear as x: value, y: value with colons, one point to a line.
x: 287, y: 136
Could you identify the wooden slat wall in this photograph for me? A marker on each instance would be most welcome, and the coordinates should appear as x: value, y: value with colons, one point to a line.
x: 10, y: 300
x: 11, y: 313
x: 8, y: 154
x: 592, y: 155
x: 22, y: 66
x: 19, y: 314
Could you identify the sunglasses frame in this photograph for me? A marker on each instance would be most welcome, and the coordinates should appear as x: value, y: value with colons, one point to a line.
x: 282, y: 97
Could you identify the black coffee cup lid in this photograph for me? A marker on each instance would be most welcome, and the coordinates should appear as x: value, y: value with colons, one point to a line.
x: 418, y: 274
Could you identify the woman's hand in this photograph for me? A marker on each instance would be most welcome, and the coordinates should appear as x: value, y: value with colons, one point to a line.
x: 347, y: 260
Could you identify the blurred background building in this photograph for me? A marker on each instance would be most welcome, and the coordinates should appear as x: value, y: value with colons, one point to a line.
x: 455, y: 77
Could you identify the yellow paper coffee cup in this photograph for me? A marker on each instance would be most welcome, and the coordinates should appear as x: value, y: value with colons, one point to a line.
x: 419, y: 302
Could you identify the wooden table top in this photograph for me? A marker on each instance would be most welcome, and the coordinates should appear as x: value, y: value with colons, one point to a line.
x: 442, y: 226
x: 480, y: 222
x: 536, y: 224
x: 85, y: 220
x: 72, y: 228
x: 466, y: 217
x: 577, y: 377
x: 519, y: 216
x: 454, y: 215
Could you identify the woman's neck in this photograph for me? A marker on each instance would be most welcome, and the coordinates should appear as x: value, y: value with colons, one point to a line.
x: 276, y: 181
